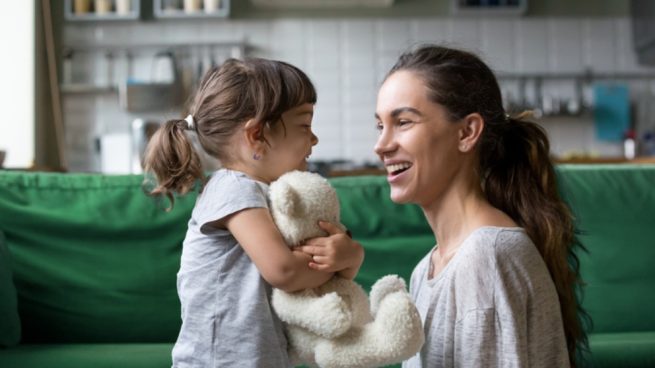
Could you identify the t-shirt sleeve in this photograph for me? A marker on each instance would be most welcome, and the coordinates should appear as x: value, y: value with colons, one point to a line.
x: 225, y: 196
x: 484, y: 340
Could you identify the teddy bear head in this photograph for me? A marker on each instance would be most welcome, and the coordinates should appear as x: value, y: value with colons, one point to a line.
x: 298, y: 200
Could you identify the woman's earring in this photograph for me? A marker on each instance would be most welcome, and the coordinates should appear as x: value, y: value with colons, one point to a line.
x: 256, y: 156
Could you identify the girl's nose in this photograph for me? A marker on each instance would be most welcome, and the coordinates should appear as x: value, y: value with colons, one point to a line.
x: 314, y: 139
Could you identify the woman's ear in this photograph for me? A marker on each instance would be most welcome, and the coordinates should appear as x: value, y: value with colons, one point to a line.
x: 469, y: 134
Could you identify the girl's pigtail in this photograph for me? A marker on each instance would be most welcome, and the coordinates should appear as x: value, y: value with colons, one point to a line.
x: 171, y: 157
x: 519, y: 178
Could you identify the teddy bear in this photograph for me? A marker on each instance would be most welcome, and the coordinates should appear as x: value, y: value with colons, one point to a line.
x: 337, y: 324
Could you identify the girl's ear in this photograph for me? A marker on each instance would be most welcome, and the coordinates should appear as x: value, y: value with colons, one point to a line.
x: 470, y: 132
x: 253, y: 132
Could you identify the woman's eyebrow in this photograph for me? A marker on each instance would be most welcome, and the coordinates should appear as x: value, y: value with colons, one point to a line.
x: 400, y: 110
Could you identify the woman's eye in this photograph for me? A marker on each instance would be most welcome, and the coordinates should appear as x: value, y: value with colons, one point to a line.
x: 378, y: 126
x: 404, y: 122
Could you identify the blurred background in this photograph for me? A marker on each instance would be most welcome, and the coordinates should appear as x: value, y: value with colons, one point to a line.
x: 87, y: 81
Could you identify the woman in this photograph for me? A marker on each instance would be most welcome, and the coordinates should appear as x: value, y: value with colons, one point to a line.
x: 497, y: 290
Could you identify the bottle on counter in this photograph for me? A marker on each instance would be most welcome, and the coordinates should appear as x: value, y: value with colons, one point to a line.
x: 648, y: 144
x: 629, y: 145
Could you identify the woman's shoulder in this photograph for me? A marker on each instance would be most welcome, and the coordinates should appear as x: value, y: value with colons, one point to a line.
x: 491, y: 249
x: 508, y: 252
x: 499, y: 242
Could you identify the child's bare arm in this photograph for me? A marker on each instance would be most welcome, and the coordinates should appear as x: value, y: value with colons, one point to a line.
x: 336, y: 252
x: 281, y: 267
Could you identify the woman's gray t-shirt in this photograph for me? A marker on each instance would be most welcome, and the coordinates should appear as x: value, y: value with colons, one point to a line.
x: 493, y: 305
x: 227, y: 319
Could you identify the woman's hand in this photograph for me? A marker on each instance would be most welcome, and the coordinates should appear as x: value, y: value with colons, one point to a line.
x: 336, y: 252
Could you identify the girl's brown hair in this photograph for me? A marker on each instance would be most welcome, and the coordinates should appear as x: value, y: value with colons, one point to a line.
x: 517, y: 175
x: 227, y: 97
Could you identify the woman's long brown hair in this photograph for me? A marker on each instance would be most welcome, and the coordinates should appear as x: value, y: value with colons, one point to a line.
x: 516, y: 172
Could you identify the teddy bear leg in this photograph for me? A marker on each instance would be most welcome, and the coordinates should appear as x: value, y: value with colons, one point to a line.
x: 383, y: 287
x: 396, y: 334
x: 354, y: 295
x: 326, y: 315
x: 302, y: 346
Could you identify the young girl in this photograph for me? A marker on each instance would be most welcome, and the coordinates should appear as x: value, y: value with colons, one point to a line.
x: 498, y: 290
x: 255, y: 117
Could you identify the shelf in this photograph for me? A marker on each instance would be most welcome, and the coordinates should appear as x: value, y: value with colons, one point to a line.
x: 87, y: 10
x: 190, y: 9
x: 80, y: 88
x: 240, y: 46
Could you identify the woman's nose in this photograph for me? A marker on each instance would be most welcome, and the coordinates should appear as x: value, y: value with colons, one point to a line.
x: 314, y: 139
x: 384, y: 144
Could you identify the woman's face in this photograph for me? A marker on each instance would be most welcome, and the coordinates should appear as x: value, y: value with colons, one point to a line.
x: 417, y: 142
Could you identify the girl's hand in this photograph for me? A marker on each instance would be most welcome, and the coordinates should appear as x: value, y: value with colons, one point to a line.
x: 336, y: 252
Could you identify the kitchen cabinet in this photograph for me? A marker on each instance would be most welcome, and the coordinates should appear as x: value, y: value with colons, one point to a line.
x: 489, y: 7
x: 183, y: 9
x: 101, y: 10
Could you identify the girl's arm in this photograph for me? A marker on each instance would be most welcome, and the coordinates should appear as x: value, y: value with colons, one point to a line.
x: 281, y: 267
x: 337, y: 252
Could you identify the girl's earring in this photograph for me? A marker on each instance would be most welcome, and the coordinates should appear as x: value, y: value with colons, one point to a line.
x: 256, y: 156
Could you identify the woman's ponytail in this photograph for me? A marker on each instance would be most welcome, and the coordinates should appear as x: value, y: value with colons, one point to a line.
x: 171, y: 157
x: 518, y: 177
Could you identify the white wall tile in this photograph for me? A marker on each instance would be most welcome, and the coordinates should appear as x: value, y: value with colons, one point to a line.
x: 466, y: 34
x: 433, y: 30
x: 565, y: 45
x: 323, y: 45
x: 393, y: 36
x: 625, y: 46
x: 600, y: 44
x: 532, y: 51
x: 497, y: 44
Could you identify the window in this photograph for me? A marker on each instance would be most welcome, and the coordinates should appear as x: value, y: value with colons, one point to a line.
x: 17, y: 83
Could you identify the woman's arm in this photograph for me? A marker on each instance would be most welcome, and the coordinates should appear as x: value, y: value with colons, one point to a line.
x: 281, y: 267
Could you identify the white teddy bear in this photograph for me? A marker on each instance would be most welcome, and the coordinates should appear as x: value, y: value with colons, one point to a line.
x: 332, y: 325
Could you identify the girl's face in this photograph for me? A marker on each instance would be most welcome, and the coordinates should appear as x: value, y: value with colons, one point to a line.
x: 291, y: 142
x: 417, y: 142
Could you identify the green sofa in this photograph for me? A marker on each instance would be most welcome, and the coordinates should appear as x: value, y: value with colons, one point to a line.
x: 94, y: 261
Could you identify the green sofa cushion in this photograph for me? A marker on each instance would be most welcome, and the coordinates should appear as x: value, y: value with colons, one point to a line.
x: 88, y: 355
x: 625, y: 350
x: 615, y: 214
x: 10, y: 321
x: 85, y: 264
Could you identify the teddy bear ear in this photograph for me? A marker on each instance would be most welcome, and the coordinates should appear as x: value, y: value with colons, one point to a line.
x: 287, y: 199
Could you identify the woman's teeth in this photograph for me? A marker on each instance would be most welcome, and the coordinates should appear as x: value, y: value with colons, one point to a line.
x: 397, y: 168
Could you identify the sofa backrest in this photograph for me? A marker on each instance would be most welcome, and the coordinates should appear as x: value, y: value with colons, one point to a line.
x: 94, y: 258
x: 614, y: 206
